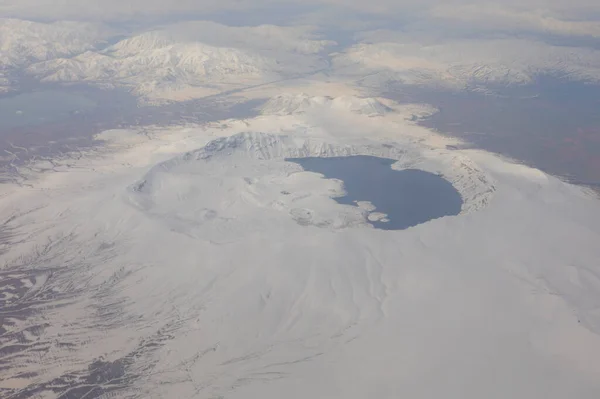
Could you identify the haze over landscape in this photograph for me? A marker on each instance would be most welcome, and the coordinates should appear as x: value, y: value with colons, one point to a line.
x: 320, y: 199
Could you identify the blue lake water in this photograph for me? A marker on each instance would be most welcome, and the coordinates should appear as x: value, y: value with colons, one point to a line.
x: 37, y: 108
x: 408, y: 197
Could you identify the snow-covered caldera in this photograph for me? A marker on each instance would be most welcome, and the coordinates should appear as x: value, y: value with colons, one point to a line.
x: 197, y: 262
x: 251, y: 169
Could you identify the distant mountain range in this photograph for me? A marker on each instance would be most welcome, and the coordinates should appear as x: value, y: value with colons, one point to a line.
x: 172, y: 58
x: 196, y: 59
x: 466, y: 64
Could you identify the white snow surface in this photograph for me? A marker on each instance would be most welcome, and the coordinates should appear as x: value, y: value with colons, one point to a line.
x: 179, y: 248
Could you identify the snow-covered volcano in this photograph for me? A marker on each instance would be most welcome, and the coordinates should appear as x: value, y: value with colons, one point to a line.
x: 196, y: 262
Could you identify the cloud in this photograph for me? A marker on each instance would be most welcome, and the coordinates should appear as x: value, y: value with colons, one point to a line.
x: 502, y: 18
x: 133, y: 8
x: 558, y: 17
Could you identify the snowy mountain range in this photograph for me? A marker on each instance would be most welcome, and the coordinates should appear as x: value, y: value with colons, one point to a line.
x: 465, y: 63
x: 26, y: 42
x: 23, y: 43
x: 148, y: 63
x: 169, y: 59
x: 192, y: 59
